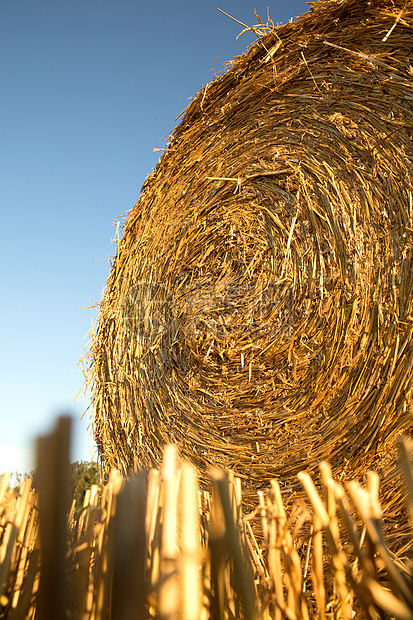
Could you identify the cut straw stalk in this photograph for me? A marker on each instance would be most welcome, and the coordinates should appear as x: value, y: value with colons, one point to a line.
x: 117, y: 537
x: 169, y: 589
x: 53, y: 484
x: 191, y: 554
x: 242, y: 573
x: 365, y: 505
x: 129, y: 595
x: 341, y: 567
x: 317, y: 572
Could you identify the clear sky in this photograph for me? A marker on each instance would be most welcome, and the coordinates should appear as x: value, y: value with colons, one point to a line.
x: 88, y: 88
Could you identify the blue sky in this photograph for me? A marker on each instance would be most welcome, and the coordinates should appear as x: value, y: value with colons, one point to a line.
x: 88, y: 89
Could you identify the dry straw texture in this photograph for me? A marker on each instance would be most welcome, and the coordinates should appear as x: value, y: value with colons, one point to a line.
x: 159, y: 547
x: 259, y: 309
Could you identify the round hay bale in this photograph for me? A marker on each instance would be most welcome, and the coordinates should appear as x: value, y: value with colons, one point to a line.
x: 259, y: 308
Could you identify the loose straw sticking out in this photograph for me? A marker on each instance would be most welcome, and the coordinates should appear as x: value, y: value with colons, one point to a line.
x: 230, y: 16
x: 384, y: 39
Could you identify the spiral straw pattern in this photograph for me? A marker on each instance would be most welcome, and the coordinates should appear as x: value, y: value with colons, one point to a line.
x: 259, y: 308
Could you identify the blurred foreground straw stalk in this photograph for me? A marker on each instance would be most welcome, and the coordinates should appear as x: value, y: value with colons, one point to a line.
x: 156, y: 546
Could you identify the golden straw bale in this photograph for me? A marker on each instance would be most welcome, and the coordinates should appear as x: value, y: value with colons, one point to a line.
x: 259, y: 309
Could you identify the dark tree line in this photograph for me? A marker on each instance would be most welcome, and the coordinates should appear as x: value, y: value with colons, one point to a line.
x: 82, y: 475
